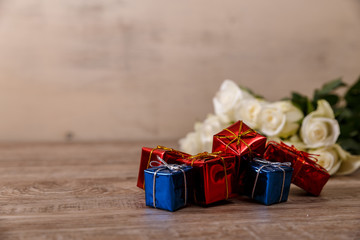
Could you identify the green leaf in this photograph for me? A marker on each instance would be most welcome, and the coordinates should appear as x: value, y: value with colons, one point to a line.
x: 350, y: 145
x: 302, y: 102
x: 332, y: 99
x: 352, y: 96
x: 310, y: 107
x: 346, y: 131
x: 326, y: 92
x: 285, y: 99
x: 251, y: 92
x: 341, y: 114
x: 330, y: 86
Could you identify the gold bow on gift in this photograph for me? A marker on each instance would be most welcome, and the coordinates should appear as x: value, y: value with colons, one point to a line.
x: 206, y: 155
x: 237, y: 137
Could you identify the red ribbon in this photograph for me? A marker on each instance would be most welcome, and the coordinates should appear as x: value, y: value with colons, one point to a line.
x: 301, y: 156
x: 305, y: 155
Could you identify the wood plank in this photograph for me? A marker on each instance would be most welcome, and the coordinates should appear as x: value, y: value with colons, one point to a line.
x: 87, y: 191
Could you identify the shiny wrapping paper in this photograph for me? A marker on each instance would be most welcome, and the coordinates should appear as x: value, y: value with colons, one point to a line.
x: 307, y: 174
x: 169, y: 155
x: 267, y: 183
x: 239, y: 139
x: 244, y: 164
x: 214, y: 176
x: 169, y: 187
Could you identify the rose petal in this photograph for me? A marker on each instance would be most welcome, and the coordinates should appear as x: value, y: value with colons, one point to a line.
x: 350, y: 165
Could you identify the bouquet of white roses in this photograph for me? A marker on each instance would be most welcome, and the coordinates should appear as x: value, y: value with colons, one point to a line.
x: 309, y: 125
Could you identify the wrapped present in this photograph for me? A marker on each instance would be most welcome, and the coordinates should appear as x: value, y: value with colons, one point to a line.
x: 307, y: 175
x: 239, y: 139
x: 169, y: 155
x: 214, y: 176
x: 167, y: 186
x: 268, y: 182
x: 241, y: 172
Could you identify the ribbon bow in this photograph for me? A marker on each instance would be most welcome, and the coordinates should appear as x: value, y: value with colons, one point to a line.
x: 172, y: 167
x: 304, y: 155
x: 162, y: 163
x: 301, y: 157
x: 238, y: 137
x: 274, y: 164
x: 205, y: 155
x: 170, y: 149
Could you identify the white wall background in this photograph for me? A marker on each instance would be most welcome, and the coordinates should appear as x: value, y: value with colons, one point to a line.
x: 121, y: 69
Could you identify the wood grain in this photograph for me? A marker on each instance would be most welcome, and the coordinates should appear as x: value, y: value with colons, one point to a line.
x: 87, y: 191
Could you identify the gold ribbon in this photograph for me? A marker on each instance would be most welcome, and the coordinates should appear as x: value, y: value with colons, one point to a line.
x: 238, y: 137
x: 206, y: 155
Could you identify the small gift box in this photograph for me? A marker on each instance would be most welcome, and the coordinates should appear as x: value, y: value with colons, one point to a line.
x: 268, y: 182
x: 214, y: 176
x: 244, y: 165
x: 169, y: 155
x: 167, y: 186
x: 239, y: 139
x: 307, y: 175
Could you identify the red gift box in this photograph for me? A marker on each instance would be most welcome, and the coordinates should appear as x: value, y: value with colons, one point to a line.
x: 169, y: 155
x: 214, y: 176
x: 307, y: 174
x: 239, y: 139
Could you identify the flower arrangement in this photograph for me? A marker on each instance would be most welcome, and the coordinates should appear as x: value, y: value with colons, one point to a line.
x: 327, y: 125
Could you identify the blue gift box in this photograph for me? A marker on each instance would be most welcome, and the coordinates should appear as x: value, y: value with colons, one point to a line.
x: 172, y: 187
x: 268, y: 182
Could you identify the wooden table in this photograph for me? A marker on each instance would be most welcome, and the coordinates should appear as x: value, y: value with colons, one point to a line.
x: 87, y: 191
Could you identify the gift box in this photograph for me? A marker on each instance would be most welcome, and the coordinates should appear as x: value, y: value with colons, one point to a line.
x: 307, y: 174
x: 168, y: 186
x: 241, y: 172
x: 169, y: 155
x: 214, y: 176
x: 268, y: 182
x: 239, y: 139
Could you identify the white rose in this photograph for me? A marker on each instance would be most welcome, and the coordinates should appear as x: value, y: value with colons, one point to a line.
x: 349, y: 165
x: 280, y: 119
x: 192, y: 143
x: 320, y: 128
x: 227, y: 98
x: 249, y: 111
x: 208, y: 129
x: 296, y: 142
x: 330, y: 158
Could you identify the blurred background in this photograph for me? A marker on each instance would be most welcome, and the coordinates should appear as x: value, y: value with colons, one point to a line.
x: 92, y: 70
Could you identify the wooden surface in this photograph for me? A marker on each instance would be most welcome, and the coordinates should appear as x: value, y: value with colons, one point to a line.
x: 87, y: 191
x: 88, y: 67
